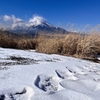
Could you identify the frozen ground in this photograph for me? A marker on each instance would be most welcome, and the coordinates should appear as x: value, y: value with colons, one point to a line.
x: 28, y: 75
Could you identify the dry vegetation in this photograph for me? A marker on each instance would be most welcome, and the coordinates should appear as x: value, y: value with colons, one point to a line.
x: 77, y: 45
x: 17, y: 42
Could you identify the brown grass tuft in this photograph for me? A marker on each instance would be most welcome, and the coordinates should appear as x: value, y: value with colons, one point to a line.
x: 7, y: 41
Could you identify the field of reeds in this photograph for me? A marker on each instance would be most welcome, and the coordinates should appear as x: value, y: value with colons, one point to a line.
x: 72, y: 44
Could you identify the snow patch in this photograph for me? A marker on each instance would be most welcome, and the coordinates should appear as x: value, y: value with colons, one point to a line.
x: 55, y: 77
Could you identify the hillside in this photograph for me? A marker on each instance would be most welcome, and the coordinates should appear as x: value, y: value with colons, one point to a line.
x: 28, y: 75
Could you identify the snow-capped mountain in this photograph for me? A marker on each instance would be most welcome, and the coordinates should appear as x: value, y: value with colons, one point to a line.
x: 35, y: 25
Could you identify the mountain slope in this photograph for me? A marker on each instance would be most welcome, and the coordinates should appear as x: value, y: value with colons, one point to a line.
x: 35, y: 26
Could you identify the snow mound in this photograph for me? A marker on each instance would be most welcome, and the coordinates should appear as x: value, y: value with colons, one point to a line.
x: 18, y: 93
x: 63, y: 95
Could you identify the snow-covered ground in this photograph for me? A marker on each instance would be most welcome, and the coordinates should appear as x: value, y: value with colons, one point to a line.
x: 28, y: 75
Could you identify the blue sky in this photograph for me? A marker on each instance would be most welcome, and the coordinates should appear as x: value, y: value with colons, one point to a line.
x: 57, y: 12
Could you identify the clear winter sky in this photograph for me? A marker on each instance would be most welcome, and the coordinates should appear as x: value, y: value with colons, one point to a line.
x: 57, y: 12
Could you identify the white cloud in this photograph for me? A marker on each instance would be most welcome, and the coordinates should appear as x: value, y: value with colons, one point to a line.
x: 21, y: 24
x: 36, y: 20
x: 11, y: 18
x: 7, y: 18
x: 17, y: 22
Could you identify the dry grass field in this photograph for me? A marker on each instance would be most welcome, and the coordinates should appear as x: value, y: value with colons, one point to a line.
x: 72, y: 44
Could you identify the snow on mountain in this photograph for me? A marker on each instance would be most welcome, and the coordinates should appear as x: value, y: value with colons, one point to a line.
x: 34, y: 25
x: 28, y: 75
x: 37, y: 20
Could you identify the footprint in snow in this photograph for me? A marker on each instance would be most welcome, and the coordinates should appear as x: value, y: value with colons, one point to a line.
x: 46, y: 83
x: 18, y: 93
x: 65, y: 74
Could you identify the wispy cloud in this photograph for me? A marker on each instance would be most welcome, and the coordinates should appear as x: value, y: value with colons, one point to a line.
x: 11, y: 18
x: 36, y: 19
x: 17, y: 22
